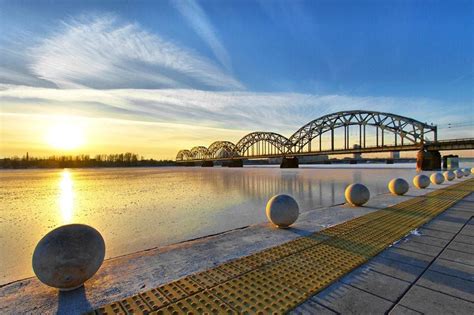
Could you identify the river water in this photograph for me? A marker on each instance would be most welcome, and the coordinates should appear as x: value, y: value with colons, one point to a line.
x: 141, y: 208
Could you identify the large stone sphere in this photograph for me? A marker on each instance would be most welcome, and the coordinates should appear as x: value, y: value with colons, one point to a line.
x: 459, y: 173
x: 421, y: 181
x: 282, y: 210
x: 69, y: 255
x: 466, y: 172
x: 398, y: 186
x: 449, y: 175
x: 357, y: 194
x: 437, y: 178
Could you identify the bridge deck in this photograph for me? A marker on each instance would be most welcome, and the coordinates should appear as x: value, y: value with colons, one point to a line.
x: 442, y: 145
x: 280, y: 278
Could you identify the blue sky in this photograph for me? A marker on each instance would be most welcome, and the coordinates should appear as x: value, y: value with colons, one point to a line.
x: 237, y: 65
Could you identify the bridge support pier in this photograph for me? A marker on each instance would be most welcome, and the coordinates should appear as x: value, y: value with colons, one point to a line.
x: 207, y: 164
x: 428, y: 160
x: 436, y: 160
x: 188, y: 164
x: 450, y: 161
x: 234, y: 163
x: 288, y: 162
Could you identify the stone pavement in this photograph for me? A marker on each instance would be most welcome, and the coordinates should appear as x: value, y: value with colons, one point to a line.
x: 429, y: 272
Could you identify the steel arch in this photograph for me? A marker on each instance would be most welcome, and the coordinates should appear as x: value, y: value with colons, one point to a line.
x: 407, y: 128
x: 200, y: 153
x: 184, y: 155
x: 222, y: 149
x: 275, y: 140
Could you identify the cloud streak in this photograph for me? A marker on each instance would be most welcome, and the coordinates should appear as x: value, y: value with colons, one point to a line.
x: 247, y: 111
x: 197, y: 18
x: 105, y: 53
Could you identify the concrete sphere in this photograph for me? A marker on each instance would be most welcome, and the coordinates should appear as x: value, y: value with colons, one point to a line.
x: 69, y: 255
x: 466, y: 172
x: 421, y: 181
x: 437, y: 178
x: 398, y: 186
x: 459, y: 173
x: 357, y: 194
x: 449, y: 175
x: 282, y: 210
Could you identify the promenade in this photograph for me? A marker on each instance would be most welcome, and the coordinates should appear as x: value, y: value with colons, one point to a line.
x: 428, y: 272
x: 305, y: 269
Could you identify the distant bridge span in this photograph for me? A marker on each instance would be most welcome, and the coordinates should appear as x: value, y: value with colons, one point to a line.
x: 390, y: 132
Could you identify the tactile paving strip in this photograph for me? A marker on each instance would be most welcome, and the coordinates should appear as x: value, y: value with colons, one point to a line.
x: 154, y: 299
x: 200, y: 303
x: 275, y: 280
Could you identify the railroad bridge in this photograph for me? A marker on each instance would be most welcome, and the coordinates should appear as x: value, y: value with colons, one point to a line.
x: 330, y: 135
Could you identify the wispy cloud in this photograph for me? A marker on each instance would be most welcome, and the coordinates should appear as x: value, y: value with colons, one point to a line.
x: 247, y: 111
x: 197, y: 18
x: 105, y: 53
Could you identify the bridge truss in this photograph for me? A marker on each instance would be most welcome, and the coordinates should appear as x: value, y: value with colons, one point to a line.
x: 391, y: 131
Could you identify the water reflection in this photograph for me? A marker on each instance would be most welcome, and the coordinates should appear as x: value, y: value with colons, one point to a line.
x: 66, y: 197
x: 311, y: 189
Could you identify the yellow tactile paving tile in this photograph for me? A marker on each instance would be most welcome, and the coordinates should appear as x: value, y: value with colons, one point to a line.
x: 277, y: 279
x: 135, y: 305
x: 257, y: 293
x: 172, y: 291
x: 210, y: 277
x: 188, y: 285
x: 154, y: 299
x: 199, y: 303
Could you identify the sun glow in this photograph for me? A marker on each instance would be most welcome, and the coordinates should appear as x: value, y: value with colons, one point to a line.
x: 65, y: 136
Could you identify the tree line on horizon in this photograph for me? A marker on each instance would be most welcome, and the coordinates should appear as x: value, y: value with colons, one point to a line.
x: 83, y: 160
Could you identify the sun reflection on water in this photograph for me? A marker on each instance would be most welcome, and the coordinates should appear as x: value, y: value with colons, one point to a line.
x: 66, y: 197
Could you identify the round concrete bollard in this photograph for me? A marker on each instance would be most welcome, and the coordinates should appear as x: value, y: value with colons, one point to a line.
x: 449, y: 175
x: 68, y: 256
x: 466, y: 172
x: 357, y: 194
x: 459, y: 173
x: 421, y: 181
x: 282, y: 210
x: 398, y: 186
x: 437, y: 178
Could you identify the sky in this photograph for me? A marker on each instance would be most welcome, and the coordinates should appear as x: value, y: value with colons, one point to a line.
x: 154, y: 77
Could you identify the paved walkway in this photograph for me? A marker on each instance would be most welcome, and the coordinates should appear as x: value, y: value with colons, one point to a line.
x: 431, y: 272
x: 280, y: 278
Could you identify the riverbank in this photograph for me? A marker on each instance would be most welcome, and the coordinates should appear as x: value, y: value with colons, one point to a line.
x: 124, y: 276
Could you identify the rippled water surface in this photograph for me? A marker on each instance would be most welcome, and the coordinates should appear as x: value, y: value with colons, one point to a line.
x: 136, y: 209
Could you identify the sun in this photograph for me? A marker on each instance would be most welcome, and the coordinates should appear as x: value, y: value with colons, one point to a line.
x: 65, y: 136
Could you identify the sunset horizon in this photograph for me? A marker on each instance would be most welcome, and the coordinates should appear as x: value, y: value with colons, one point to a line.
x: 128, y: 82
